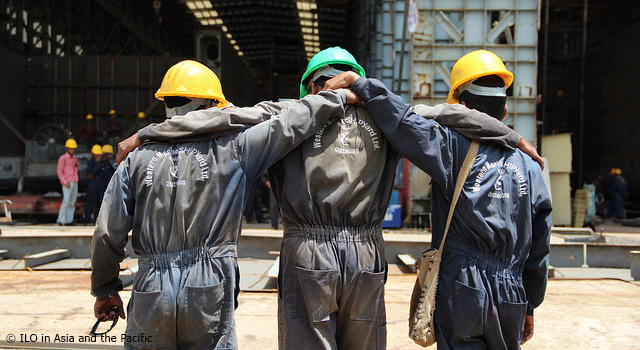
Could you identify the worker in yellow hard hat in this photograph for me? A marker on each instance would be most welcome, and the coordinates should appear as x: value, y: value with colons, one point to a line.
x: 183, y: 202
x: 68, y: 175
x: 112, y: 129
x: 95, y: 168
x: 141, y: 122
x: 617, y: 192
x: 496, y: 253
x: 88, y: 132
x: 109, y: 166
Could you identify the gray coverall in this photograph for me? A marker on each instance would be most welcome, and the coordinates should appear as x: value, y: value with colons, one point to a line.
x: 184, y: 203
x: 495, y: 258
x: 333, y: 192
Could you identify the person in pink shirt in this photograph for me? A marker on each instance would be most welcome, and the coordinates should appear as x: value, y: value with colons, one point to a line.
x: 68, y: 176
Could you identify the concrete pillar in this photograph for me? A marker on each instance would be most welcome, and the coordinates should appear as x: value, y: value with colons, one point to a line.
x: 635, y: 264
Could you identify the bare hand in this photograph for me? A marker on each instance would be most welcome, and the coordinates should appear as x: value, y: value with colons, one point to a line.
x: 528, y: 148
x: 528, y: 329
x: 103, y: 309
x: 127, y: 146
x: 342, y: 80
x: 67, y: 185
x: 352, y: 98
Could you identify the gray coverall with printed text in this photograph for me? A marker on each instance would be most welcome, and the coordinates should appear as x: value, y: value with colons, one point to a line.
x: 495, y: 258
x: 183, y: 203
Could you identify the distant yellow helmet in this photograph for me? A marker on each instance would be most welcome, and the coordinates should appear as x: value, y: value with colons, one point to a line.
x: 191, y: 79
x: 96, y: 150
x: 113, y: 111
x: 141, y: 114
x: 618, y: 171
x: 89, y: 117
x: 476, y: 64
x: 71, y: 143
x: 107, y: 149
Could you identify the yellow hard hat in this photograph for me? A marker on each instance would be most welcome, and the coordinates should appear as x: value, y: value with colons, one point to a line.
x: 113, y: 111
x: 141, y: 114
x: 107, y: 149
x: 476, y: 64
x: 96, y: 150
x: 191, y: 79
x: 71, y: 143
x: 89, y: 117
x: 618, y: 171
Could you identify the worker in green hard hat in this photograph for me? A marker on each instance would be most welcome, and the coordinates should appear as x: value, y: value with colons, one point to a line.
x: 335, y: 58
x: 333, y: 192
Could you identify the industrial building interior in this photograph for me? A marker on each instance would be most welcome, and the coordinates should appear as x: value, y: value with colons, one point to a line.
x: 62, y: 59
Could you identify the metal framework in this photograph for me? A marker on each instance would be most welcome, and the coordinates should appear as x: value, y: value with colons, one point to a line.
x: 78, y: 27
x: 267, y: 31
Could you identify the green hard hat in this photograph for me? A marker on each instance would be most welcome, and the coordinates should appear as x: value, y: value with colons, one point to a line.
x: 331, y: 55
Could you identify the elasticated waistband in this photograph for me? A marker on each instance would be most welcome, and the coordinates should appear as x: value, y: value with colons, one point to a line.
x: 334, y: 233
x: 187, y: 256
x: 486, y: 262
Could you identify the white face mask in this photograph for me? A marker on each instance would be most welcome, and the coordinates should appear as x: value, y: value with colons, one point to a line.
x: 186, y: 108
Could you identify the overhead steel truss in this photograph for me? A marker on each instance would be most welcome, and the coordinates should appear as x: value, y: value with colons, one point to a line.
x: 76, y: 27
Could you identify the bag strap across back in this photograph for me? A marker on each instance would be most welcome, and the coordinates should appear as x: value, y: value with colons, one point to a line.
x: 462, y: 177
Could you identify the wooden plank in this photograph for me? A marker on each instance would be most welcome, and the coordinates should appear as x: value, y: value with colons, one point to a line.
x: 41, y: 258
x: 66, y: 264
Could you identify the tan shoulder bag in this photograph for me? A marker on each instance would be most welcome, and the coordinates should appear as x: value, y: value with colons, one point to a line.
x: 423, y: 298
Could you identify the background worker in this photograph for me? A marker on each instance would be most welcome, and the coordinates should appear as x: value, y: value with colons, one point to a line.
x: 496, y: 255
x: 88, y: 132
x: 253, y: 208
x: 95, y: 187
x: 333, y: 192
x: 617, y: 190
x: 183, y: 203
x: 141, y: 122
x: 68, y: 175
x: 109, y: 167
x: 111, y: 129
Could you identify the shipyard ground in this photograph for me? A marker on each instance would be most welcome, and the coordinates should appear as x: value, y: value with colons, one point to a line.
x: 584, y: 308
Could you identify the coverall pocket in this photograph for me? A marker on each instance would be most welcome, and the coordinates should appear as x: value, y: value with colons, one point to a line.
x: 467, y: 313
x: 366, y: 296
x: 318, y: 289
x: 512, y: 322
x: 205, y: 311
x: 149, y: 314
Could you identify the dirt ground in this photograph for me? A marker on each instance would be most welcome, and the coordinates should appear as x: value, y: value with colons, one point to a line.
x: 577, y: 314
